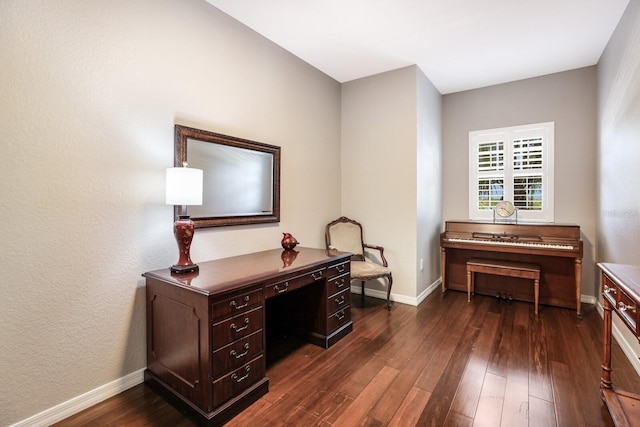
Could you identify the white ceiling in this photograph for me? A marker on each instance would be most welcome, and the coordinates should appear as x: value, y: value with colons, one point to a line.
x: 458, y: 44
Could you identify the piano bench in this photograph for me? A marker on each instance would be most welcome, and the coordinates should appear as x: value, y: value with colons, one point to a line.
x: 503, y: 268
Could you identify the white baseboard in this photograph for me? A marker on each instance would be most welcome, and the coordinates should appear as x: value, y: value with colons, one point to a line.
x: 435, y: 286
x: 82, y: 402
x: 403, y: 299
x: 374, y: 293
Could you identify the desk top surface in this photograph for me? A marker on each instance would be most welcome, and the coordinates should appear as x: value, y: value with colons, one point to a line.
x: 228, y: 273
x: 626, y: 276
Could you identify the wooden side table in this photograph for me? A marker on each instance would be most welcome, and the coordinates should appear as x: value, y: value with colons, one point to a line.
x: 620, y: 294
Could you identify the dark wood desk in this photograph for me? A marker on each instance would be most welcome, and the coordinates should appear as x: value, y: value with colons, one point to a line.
x: 206, y: 330
x: 620, y: 294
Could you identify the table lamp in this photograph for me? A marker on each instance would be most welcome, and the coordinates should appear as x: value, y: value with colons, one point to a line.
x: 184, y: 187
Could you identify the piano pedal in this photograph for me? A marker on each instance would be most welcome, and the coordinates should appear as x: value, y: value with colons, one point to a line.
x: 498, y: 296
x: 510, y: 298
x: 504, y: 296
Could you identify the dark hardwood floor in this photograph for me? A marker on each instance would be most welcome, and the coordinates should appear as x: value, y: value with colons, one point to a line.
x: 444, y: 363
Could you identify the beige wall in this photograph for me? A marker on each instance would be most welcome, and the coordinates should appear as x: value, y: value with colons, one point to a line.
x: 390, y: 146
x: 619, y: 155
x: 569, y: 100
x: 619, y: 143
x: 378, y: 172
x: 90, y: 93
x: 429, y: 184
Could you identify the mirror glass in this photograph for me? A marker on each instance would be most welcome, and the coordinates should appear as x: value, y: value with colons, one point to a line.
x: 241, y: 178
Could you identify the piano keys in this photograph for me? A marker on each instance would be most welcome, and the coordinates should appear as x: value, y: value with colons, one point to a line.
x: 556, y: 248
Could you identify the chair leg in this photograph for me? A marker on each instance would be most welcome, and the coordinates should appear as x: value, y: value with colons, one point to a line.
x: 389, y: 293
x: 362, y: 293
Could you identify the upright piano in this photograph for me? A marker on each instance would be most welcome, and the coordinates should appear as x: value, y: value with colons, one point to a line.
x: 556, y: 248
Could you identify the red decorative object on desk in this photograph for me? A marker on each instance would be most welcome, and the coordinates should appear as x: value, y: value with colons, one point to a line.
x: 288, y: 241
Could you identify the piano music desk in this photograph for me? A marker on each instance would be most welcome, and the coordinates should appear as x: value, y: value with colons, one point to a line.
x: 504, y: 268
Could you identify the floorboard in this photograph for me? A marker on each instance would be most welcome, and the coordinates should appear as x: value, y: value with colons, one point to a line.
x: 446, y: 362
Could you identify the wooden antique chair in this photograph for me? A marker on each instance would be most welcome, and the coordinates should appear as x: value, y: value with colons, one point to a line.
x: 345, y: 235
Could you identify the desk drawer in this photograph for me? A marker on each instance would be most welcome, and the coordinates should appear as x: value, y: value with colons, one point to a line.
x: 338, y: 269
x: 235, y: 382
x: 236, y: 354
x: 338, y: 301
x: 338, y: 319
x: 294, y: 282
x: 237, y: 327
x: 237, y: 304
x: 338, y: 284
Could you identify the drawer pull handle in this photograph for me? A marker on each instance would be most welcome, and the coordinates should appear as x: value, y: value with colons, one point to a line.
x: 278, y: 290
x: 235, y: 305
x: 340, y: 301
x: 340, y: 268
x: 238, y: 379
x: 317, y: 275
x: 608, y: 290
x: 246, y: 325
x: 244, y: 353
x: 624, y: 307
x: 340, y: 284
x: 340, y: 315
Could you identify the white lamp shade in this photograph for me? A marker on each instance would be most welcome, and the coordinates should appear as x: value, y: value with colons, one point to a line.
x: 184, y: 186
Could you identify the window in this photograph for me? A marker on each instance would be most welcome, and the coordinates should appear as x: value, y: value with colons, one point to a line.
x: 514, y: 164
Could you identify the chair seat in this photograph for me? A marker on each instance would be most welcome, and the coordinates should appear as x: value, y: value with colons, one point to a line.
x: 362, y: 270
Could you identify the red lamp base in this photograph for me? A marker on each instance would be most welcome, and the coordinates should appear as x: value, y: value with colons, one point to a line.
x: 183, y: 229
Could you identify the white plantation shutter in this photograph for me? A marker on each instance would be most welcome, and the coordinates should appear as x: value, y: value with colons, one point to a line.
x: 490, y: 158
x: 514, y: 164
x: 528, y: 162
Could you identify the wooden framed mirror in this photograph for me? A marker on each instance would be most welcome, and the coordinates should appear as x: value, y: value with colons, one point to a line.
x: 241, y: 178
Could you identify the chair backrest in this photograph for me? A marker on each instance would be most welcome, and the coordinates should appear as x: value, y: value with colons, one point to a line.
x: 345, y: 234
